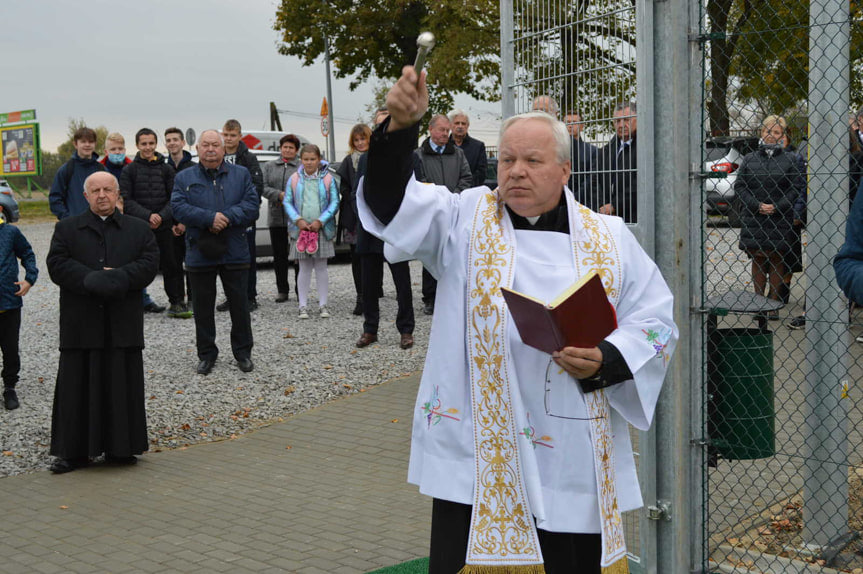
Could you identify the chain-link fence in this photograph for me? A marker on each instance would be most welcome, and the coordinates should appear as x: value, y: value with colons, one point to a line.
x: 781, y: 162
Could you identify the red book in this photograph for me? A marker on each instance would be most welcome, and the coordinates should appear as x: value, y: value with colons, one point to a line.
x: 581, y: 316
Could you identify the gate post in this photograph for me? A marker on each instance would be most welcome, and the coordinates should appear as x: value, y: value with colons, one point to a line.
x: 676, y: 121
x: 825, y: 486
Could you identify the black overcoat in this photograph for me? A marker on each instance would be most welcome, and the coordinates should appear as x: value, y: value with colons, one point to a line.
x: 773, y: 176
x: 101, y: 308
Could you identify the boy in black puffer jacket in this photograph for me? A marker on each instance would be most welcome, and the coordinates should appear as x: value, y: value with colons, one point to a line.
x: 146, y: 185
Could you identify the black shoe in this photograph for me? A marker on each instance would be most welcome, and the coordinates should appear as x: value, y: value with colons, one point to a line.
x: 797, y: 322
x: 123, y: 460
x: 153, y: 308
x: 10, y: 399
x: 64, y: 465
x: 253, y: 304
x: 245, y: 365
x: 428, y: 309
x: 358, y: 308
x: 282, y: 297
x: 205, y: 366
x: 223, y: 306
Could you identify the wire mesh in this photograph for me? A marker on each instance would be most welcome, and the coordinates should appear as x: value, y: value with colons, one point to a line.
x: 781, y: 163
x: 575, y: 59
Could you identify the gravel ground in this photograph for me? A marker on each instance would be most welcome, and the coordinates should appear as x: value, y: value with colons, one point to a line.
x: 298, y: 364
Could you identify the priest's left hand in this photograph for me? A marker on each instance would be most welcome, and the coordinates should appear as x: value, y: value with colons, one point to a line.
x: 578, y: 362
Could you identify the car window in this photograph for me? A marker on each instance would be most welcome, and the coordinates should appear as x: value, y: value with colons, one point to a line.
x: 716, y: 153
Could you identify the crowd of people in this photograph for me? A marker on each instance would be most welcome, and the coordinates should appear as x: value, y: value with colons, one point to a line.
x: 122, y: 220
x: 605, y: 179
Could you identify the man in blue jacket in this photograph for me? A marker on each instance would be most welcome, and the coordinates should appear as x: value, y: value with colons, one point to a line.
x: 67, y: 190
x: 848, y: 264
x: 217, y: 201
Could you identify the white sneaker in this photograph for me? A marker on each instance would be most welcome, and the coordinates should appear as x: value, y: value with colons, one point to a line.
x: 325, y: 313
x: 304, y: 313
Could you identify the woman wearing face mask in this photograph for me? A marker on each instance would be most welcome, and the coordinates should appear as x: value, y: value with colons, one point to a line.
x: 358, y: 144
x: 311, y: 203
x: 769, y: 182
x: 276, y: 174
x: 115, y: 154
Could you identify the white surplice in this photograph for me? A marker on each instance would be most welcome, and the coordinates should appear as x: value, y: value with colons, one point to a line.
x: 434, y: 226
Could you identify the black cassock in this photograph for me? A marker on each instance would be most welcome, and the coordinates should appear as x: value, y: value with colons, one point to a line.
x: 99, y: 396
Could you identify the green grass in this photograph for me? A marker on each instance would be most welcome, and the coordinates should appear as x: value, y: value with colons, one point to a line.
x: 33, y: 211
x: 419, y: 566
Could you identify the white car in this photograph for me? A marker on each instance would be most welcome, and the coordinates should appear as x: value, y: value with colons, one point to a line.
x: 263, y: 245
x: 723, y: 156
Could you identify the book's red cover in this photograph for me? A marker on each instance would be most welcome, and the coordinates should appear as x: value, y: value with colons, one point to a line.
x: 583, y: 319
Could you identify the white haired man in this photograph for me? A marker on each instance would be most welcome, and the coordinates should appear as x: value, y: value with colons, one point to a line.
x: 474, y: 150
x: 443, y: 164
x: 488, y: 445
x: 101, y: 260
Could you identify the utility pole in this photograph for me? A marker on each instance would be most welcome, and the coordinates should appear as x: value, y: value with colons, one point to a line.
x: 332, y: 137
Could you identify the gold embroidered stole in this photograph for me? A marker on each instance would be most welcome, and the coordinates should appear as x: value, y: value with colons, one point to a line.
x: 503, y: 537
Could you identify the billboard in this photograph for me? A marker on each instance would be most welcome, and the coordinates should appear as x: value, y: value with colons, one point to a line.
x: 19, y: 150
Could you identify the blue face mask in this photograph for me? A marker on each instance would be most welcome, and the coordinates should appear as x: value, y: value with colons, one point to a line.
x: 117, y: 158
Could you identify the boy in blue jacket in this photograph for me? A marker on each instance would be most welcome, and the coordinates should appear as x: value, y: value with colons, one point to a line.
x: 13, y: 246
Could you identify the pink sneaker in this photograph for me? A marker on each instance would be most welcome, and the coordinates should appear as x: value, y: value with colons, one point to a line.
x: 312, y: 242
x: 302, y: 242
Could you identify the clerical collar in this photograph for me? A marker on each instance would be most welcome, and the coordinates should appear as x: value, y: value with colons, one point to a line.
x: 555, y: 219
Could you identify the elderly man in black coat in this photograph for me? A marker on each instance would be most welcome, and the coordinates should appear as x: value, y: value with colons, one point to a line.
x: 101, y: 260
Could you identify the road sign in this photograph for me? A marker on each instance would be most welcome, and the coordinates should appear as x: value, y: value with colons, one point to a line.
x: 325, y: 126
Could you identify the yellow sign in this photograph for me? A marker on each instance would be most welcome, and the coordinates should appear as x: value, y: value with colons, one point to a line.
x: 19, y: 150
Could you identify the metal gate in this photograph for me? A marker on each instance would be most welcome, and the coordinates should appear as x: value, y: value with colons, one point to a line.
x: 577, y: 61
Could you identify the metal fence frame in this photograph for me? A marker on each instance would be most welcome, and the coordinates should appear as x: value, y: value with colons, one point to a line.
x: 673, y: 535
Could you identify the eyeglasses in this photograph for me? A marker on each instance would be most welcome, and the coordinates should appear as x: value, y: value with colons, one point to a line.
x: 548, y: 399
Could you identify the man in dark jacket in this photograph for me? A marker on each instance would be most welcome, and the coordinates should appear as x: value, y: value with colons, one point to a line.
x: 848, y: 264
x: 217, y: 201
x: 616, y: 179
x: 179, y: 159
x: 583, y: 160
x: 146, y: 186
x: 443, y: 164
x: 67, y: 190
x: 474, y: 150
x: 237, y: 152
x: 371, y: 252
x: 101, y: 260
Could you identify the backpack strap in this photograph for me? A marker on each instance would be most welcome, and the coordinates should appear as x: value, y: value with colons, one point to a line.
x: 68, y: 168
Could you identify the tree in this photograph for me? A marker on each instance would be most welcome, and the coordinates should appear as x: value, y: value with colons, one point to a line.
x: 65, y: 149
x: 377, y: 38
x: 759, y: 57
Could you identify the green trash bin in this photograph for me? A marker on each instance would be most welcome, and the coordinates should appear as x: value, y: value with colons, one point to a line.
x: 744, y: 413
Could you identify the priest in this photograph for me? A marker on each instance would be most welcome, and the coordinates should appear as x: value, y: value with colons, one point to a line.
x: 101, y: 260
x: 526, y: 455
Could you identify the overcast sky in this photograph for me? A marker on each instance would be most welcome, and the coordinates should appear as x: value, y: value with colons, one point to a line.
x: 189, y: 63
